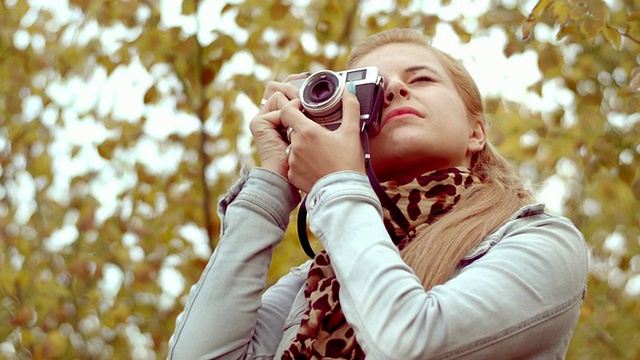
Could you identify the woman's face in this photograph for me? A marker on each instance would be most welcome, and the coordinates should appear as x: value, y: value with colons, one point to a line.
x: 424, y: 121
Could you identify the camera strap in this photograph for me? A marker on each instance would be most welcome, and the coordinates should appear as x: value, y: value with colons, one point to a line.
x: 396, y: 214
x: 302, y: 229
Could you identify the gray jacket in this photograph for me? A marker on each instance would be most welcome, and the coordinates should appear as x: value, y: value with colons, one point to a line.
x: 520, y: 299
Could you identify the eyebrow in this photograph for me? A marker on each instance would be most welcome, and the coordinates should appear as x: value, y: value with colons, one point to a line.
x: 420, y: 67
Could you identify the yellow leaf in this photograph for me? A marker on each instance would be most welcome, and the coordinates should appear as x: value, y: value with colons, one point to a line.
x: 23, y: 317
x: 75, y: 150
x: 82, y: 4
x: 278, y: 10
x: 612, y: 36
x: 227, y: 7
x: 549, y: 61
x: 527, y: 28
x: 636, y: 188
x: 151, y: 96
x: 41, y: 165
x: 627, y: 173
x: 372, y: 22
x: 55, y: 345
x: 591, y: 27
x: 560, y: 11
x: 634, y: 83
x: 633, y: 16
x: 207, y: 76
x: 106, y: 148
x: 577, y: 13
x: 189, y: 7
x: 462, y: 33
x: 538, y: 9
x: 121, y: 255
x: 597, y: 9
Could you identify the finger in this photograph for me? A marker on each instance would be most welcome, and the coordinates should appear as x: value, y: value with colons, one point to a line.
x: 274, y: 103
x: 350, y: 110
x: 262, y: 124
x: 285, y: 87
x: 273, y: 88
x: 300, y: 76
x: 292, y: 117
x: 273, y: 117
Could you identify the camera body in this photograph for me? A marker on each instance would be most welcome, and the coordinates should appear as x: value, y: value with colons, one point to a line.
x: 321, y: 96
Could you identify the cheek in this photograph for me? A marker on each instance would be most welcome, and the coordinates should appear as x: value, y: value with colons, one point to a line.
x: 452, y: 142
x: 452, y: 125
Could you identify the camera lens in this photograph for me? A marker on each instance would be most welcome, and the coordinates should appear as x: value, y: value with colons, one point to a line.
x: 322, y: 91
x: 321, y: 96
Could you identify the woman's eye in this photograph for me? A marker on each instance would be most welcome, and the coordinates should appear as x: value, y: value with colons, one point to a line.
x: 423, y: 79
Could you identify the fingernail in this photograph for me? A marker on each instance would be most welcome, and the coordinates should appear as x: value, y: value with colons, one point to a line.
x: 306, y: 73
x: 352, y: 87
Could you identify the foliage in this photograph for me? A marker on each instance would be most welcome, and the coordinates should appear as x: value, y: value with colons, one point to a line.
x: 103, y: 230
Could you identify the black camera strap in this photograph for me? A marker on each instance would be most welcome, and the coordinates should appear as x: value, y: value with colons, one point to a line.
x: 302, y: 229
x: 396, y: 214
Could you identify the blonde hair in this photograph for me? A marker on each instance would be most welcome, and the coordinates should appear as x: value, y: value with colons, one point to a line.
x: 436, y: 253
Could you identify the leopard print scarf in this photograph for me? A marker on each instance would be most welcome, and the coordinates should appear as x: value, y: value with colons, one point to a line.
x: 324, y: 332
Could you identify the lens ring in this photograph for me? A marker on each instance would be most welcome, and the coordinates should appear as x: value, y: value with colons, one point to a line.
x: 321, y: 93
x: 322, y: 90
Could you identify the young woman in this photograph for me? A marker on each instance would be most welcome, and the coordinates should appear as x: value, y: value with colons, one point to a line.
x: 484, y: 272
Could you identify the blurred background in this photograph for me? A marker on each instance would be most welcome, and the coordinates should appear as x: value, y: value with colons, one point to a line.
x: 122, y: 123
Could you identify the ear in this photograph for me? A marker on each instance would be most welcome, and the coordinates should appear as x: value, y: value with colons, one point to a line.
x: 477, y: 137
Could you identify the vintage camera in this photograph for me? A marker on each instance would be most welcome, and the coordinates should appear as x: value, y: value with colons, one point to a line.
x: 321, y: 96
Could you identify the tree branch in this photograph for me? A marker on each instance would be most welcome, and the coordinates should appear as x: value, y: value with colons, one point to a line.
x: 629, y: 36
x: 347, y: 29
x: 201, y: 104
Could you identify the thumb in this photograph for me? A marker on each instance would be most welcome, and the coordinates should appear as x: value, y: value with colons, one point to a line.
x: 350, y: 109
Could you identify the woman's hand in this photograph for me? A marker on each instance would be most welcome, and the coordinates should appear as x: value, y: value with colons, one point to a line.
x: 317, y: 151
x: 266, y: 124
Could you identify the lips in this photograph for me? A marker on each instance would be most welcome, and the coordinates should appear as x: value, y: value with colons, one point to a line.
x: 405, y: 110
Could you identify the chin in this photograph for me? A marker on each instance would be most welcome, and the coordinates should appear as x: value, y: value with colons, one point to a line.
x: 384, y: 173
x: 400, y: 168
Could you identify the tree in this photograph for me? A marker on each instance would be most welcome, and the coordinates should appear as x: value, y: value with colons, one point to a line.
x: 120, y: 129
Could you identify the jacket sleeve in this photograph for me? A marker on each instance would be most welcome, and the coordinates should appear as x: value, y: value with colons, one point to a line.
x: 520, y: 298
x: 225, y: 316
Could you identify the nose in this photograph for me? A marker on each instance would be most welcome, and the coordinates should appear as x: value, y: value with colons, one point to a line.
x: 395, y: 88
